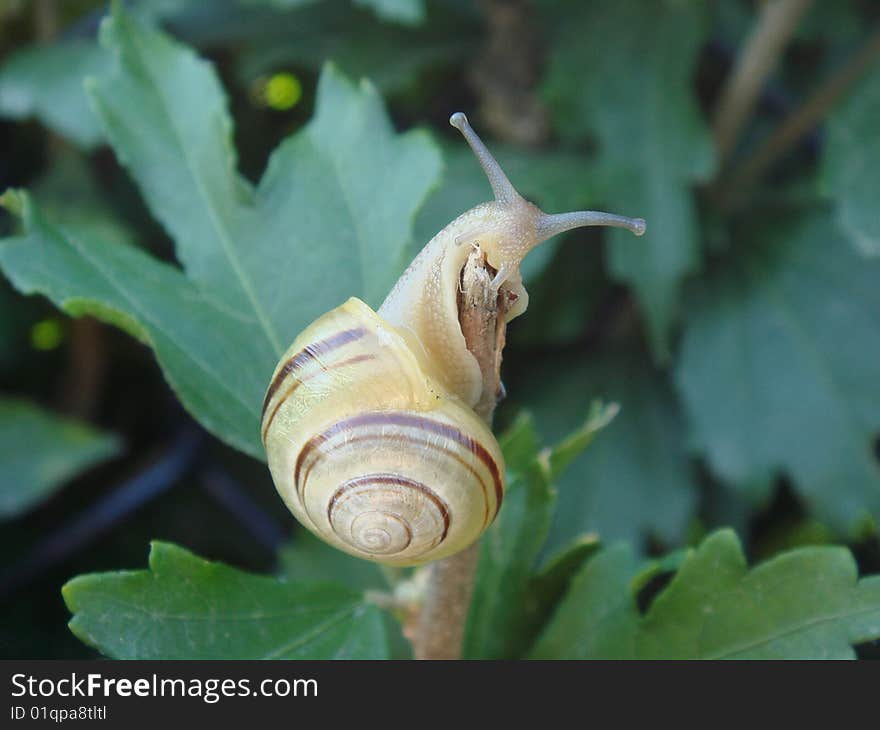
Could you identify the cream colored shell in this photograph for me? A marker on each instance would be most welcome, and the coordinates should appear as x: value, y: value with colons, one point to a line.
x: 368, y: 422
x: 372, y: 453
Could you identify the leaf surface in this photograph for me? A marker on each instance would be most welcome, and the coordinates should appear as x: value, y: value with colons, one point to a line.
x: 636, y: 478
x: 45, y: 82
x: 804, y: 604
x: 407, y: 12
x: 330, y: 219
x: 40, y: 451
x: 509, y: 602
x: 631, y: 86
x: 184, y: 607
x: 852, y: 158
x: 778, y: 366
x: 308, y: 558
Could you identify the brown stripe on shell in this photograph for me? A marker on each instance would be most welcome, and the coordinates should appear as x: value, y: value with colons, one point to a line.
x: 414, y: 442
x: 307, y: 354
x: 380, y: 418
x: 395, y: 480
x: 308, y: 376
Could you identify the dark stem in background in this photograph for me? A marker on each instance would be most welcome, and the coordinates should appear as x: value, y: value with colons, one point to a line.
x: 83, y: 381
x: 45, y: 20
x: 108, y: 511
x: 80, y: 390
x: 505, y: 79
x: 734, y: 189
x: 774, y: 27
x: 183, y: 456
x: 227, y: 492
x: 506, y: 76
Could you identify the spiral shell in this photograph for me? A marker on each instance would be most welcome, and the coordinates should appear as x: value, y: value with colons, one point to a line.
x: 367, y: 448
x: 368, y: 421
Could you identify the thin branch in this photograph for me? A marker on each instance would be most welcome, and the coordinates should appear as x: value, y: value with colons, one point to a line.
x: 108, y: 511
x: 506, y: 79
x: 773, y: 29
x: 45, y: 20
x: 439, y: 632
x: 799, y: 123
x: 236, y: 500
x: 507, y: 74
x: 87, y: 357
x: 87, y: 363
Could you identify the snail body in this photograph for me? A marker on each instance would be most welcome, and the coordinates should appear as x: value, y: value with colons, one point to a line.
x: 368, y: 420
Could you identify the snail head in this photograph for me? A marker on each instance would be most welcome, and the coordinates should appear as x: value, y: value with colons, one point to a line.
x: 511, y: 226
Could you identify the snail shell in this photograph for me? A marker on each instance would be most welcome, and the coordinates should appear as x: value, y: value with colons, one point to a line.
x: 369, y: 451
x: 368, y: 421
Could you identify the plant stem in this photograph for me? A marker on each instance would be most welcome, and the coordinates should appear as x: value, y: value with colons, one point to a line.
x: 505, y: 78
x: 440, y: 630
x: 87, y: 361
x: 108, y: 511
x: 45, y: 20
x: 775, y: 26
x: 87, y: 357
x: 506, y: 75
x: 801, y: 121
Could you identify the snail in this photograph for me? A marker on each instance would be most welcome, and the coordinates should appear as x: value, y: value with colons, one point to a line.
x: 368, y: 420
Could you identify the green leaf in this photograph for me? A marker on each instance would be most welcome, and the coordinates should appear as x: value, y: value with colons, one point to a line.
x: 332, y: 214
x: 281, y: 4
x: 548, y: 586
x: 557, y: 572
x: 631, y: 86
x: 508, y: 552
x: 394, y: 56
x: 331, y: 218
x: 635, y: 479
x: 408, y: 12
x: 308, y: 558
x: 69, y: 194
x: 852, y: 157
x: 778, y: 366
x: 184, y: 607
x: 805, y: 604
x: 563, y: 454
x: 202, y: 354
x: 509, y: 602
x: 45, y: 82
x: 833, y: 24
x: 520, y: 444
x: 41, y: 451
x: 598, y: 615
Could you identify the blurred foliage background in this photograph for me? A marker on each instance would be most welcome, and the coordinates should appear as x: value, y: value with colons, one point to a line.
x: 740, y: 336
